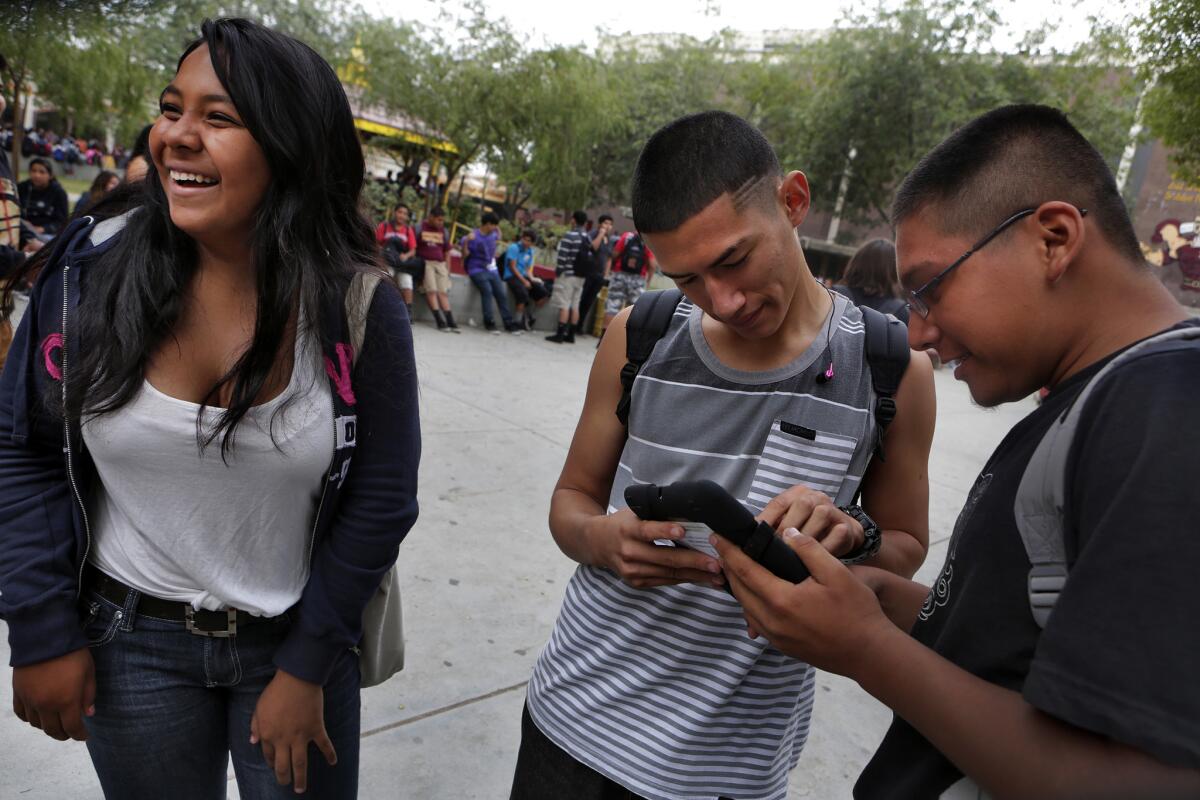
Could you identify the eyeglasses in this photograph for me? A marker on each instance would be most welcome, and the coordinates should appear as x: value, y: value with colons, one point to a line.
x: 917, y: 304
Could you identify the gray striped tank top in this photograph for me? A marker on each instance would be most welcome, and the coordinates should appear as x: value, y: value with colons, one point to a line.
x: 660, y: 689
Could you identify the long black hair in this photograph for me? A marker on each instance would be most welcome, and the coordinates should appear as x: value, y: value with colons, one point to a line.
x: 309, y: 238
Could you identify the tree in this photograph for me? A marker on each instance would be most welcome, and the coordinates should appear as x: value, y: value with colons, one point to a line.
x: 652, y: 88
x: 461, y: 86
x: 880, y: 90
x: 567, y: 109
x: 39, y: 36
x: 1170, y: 46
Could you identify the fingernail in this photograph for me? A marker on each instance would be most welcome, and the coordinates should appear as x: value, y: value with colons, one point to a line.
x: 714, y: 567
x: 677, y: 532
x: 791, y: 533
x: 253, y: 740
x: 712, y: 539
x: 91, y: 711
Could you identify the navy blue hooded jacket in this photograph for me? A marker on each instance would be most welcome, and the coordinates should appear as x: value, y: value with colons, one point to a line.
x: 46, y: 474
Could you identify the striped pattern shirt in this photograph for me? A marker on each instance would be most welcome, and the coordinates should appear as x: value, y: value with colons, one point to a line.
x: 659, y: 689
x: 569, y: 246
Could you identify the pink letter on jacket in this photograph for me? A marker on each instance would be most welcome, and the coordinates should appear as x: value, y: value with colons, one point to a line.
x: 51, y: 343
x: 341, y: 377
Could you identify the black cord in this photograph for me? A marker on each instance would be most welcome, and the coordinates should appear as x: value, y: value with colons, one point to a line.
x: 827, y: 375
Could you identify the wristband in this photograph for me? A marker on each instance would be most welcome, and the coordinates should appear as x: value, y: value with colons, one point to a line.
x: 873, y: 537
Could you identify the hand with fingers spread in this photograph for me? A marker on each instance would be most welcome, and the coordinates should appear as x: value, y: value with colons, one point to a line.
x: 831, y: 620
x: 290, y: 714
x: 56, y: 695
x: 814, y: 514
x: 625, y: 544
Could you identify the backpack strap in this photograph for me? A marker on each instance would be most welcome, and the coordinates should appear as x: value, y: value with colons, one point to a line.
x: 647, y: 323
x: 886, y: 349
x: 358, y: 303
x: 1041, y: 496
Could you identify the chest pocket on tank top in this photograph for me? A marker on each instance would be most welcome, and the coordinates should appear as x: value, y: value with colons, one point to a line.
x: 794, y: 454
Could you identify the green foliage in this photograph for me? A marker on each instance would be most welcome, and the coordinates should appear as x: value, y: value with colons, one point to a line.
x: 1170, y: 46
x: 656, y: 87
x: 380, y: 198
x: 562, y: 127
x: 891, y: 84
x: 458, y: 86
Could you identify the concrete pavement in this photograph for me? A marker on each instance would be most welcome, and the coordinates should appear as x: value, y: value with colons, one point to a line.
x: 483, y: 581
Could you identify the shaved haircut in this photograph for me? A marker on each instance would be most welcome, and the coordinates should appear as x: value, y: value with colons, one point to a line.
x: 1007, y: 160
x: 689, y: 163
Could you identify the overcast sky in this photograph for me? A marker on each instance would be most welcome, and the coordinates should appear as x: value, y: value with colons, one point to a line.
x: 563, y: 22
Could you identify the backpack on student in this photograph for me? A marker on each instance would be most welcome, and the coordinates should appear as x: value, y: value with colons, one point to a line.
x: 885, y: 346
x: 634, y: 256
x: 585, y: 256
x: 1041, y: 496
x: 381, y: 652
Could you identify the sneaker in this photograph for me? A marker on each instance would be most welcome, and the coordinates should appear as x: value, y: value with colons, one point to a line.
x: 453, y: 329
x: 515, y: 329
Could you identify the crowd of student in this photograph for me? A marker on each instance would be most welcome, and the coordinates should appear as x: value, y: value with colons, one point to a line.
x: 35, y: 210
x: 187, y: 572
x: 588, y: 257
x: 68, y: 151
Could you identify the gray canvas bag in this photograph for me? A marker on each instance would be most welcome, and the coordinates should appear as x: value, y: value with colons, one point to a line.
x: 381, y: 652
x: 1041, y: 496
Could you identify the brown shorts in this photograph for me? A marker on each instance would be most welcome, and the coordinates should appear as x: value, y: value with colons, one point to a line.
x: 437, y: 277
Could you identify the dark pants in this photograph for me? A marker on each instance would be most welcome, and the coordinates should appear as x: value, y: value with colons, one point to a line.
x: 546, y: 772
x: 523, y: 296
x: 490, y: 286
x: 591, y: 288
x: 173, y: 707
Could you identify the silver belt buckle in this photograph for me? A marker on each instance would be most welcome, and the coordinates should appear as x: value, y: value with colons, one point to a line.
x: 189, y: 621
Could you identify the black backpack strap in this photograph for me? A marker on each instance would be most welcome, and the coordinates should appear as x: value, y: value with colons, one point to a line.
x: 647, y: 323
x: 887, y: 353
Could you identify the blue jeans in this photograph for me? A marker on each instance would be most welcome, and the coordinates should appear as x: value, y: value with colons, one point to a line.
x: 171, y: 707
x: 489, y: 285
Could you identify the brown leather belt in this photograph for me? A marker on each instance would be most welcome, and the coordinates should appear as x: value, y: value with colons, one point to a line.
x: 216, y: 624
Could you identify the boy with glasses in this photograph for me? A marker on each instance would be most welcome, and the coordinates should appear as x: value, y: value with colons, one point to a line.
x: 1025, y: 272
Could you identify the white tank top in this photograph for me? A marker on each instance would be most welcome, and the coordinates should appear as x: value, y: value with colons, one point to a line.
x: 182, y: 525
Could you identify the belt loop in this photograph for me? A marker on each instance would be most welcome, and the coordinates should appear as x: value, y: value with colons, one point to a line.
x: 129, y: 610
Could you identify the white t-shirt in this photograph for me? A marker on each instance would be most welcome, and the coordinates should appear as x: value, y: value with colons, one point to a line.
x: 182, y: 525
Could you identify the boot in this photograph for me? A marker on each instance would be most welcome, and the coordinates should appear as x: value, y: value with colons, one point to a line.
x: 570, y: 337
x: 450, y: 321
x: 440, y: 319
x: 559, y: 336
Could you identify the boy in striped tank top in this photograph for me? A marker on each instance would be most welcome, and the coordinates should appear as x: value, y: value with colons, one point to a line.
x: 649, y: 686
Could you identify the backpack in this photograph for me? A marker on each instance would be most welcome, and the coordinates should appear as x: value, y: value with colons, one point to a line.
x: 585, y: 256
x: 381, y: 651
x: 885, y: 346
x: 634, y: 257
x: 1041, y: 495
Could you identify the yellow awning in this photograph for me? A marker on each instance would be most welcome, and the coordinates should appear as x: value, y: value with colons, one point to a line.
x: 381, y: 129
